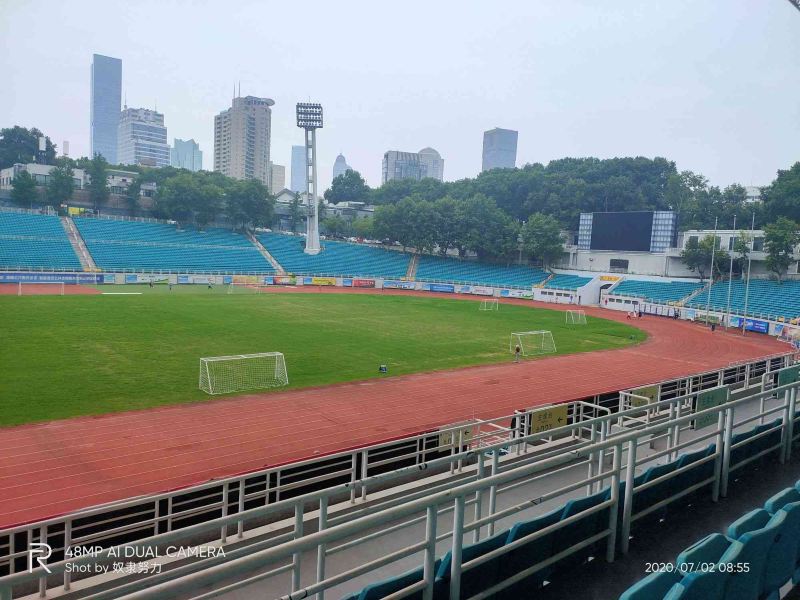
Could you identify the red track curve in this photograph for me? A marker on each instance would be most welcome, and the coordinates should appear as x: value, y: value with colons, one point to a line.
x: 48, y: 469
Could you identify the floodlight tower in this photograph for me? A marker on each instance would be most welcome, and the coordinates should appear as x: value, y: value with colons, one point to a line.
x: 309, y: 117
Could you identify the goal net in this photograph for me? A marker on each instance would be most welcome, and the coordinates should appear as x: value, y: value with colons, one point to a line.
x: 576, y: 317
x: 51, y: 287
x: 227, y: 374
x: 249, y: 288
x: 532, y: 342
x: 490, y: 304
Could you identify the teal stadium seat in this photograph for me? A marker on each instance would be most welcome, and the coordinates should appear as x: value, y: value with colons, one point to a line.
x: 788, y: 501
x: 653, y: 587
x: 567, y: 282
x: 578, y: 531
x: 139, y: 246
x: 435, y: 268
x: 696, y: 584
x: 477, y: 579
x: 336, y: 258
x: 766, y: 299
x: 752, y: 549
x: 36, y: 242
x: 528, y: 554
x: 656, y: 291
x: 381, y: 589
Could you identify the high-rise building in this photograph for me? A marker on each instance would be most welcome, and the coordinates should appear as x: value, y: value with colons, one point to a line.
x: 499, y: 149
x: 340, y: 166
x: 433, y: 165
x: 412, y: 165
x: 142, y: 138
x: 298, y: 169
x: 186, y: 154
x: 106, y: 100
x: 277, y: 178
x: 242, y: 139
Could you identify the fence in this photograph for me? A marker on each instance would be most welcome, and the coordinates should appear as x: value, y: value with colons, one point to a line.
x: 231, y: 510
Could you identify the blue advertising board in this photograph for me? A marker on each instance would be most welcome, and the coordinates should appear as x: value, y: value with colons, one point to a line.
x: 12, y: 277
x: 398, y: 285
x: 756, y: 325
x: 447, y: 288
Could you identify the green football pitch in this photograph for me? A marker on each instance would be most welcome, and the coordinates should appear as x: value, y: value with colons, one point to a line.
x: 64, y: 356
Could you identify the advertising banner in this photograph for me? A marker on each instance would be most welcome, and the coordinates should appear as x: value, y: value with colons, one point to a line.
x: 393, y: 284
x: 735, y: 321
x: 183, y: 279
x: 11, y: 277
x: 107, y: 278
x: 280, y: 280
x: 227, y: 279
x: 480, y: 290
x: 359, y: 283
x: 320, y: 281
x: 516, y: 293
x: 756, y: 325
x: 709, y: 399
x: 252, y: 279
x: 446, y: 288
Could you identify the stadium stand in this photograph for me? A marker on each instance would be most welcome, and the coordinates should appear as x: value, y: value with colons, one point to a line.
x: 757, y: 555
x: 31, y: 241
x: 567, y: 282
x: 134, y: 246
x: 656, y: 291
x: 336, y: 258
x: 767, y: 299
x: 675, y: 482
x: 434, y: 268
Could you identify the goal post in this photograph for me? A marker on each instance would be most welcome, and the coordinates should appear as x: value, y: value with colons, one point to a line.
x: 532, y: 343
x: 58, y: 287
x: 489, y: 304
x: 228, y: 374
x: 576, y: 317
x: 251, y: 288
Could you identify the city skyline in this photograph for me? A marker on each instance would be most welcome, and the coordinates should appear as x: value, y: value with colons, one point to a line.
x: 705, y: 102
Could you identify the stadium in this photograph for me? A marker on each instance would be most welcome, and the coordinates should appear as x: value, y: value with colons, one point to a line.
x: 211, y: 413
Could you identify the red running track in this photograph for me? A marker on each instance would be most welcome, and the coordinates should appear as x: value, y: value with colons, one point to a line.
x: 53, y: 468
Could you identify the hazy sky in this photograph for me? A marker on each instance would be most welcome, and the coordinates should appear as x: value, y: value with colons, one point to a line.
x: 711, y: 84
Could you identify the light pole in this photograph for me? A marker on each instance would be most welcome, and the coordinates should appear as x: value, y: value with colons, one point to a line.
x: 309, y: 117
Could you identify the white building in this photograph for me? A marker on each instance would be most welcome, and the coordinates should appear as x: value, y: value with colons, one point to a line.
x: 40, y: 174
x: 340, y: 166
x: 277, y: 178
x: 186, y: 154
x: 142, y: 138
x: 242, y: 139
x: 432, y: 163
x: 298, y: 169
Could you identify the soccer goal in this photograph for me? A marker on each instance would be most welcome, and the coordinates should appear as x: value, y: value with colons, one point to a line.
x: 57, y: 287
x: 532, y: 343
x: 227, y: 374
x: 250, y: 288
x: 490, y: 304
x: 576, y: 317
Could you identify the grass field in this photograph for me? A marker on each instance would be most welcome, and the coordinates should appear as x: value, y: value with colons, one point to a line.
x: 64, y: 356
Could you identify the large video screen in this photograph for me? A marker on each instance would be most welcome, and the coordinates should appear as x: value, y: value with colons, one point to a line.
x: 622, y: 231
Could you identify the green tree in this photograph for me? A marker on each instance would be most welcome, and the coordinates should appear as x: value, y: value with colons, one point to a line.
x: 61, y: 183
x: 782, y: 197
x: 98, y: 184
x: 23, y: 190
x: 249, y: 203
x: 696, y: 255
x: 335, y: 226
x: 363, y: 227
x: 541, y: 238
x: 296, y: 213
x: 132, y: 195
x: 21, y: 145
x: 780, y: 240
x: 348, y: 187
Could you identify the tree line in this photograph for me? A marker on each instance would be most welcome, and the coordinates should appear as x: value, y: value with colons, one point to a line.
x: 187, y: 197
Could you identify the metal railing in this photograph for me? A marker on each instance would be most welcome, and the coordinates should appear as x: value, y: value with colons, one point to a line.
x: 533, y: 455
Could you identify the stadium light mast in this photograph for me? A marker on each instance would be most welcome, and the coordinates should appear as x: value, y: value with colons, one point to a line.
x: 309, y: 117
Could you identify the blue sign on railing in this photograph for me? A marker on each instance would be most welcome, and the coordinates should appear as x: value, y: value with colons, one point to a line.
x: 756, y: 325
x: 12, y: 277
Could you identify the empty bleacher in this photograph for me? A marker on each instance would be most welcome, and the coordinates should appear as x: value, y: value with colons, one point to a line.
x: 657, y: 291
x: 767, y: 299
x: 33, y: 241
x: 757, y: 555
x: 139, y: 246
x: 567, y: 282
x: 434, y: 268
x: 336, y: 258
